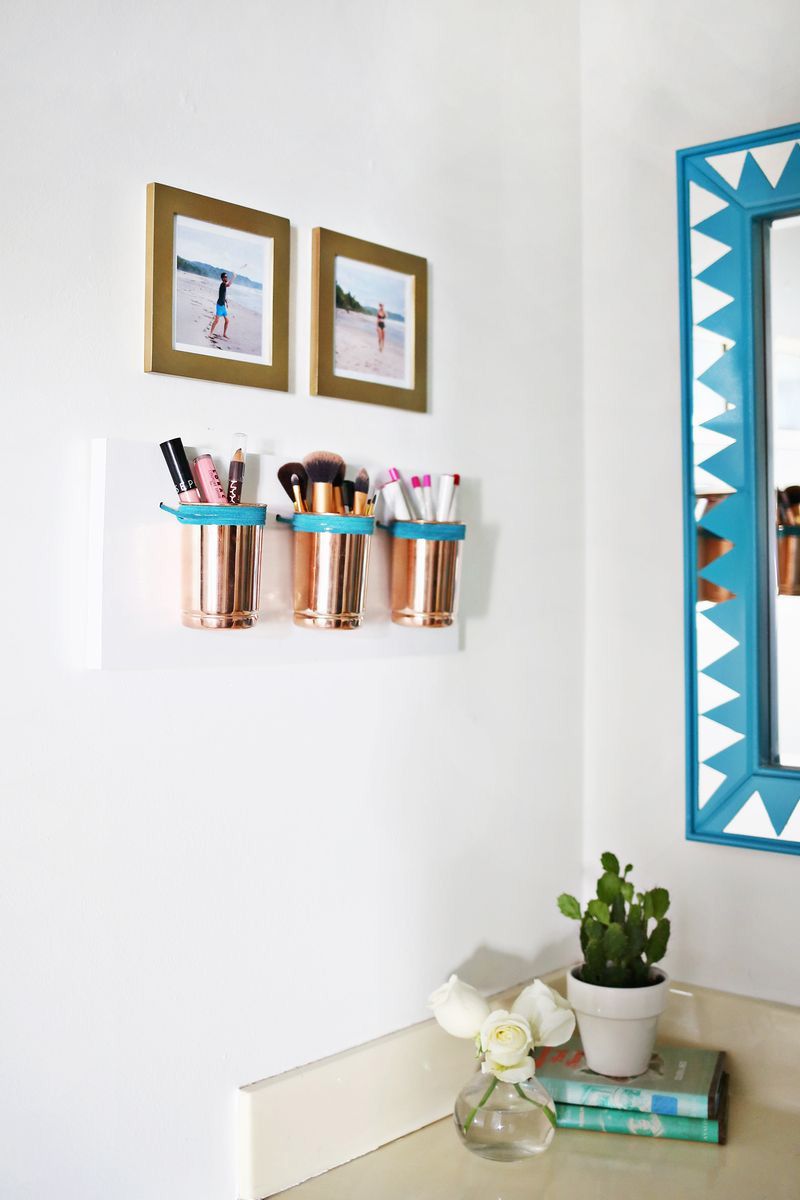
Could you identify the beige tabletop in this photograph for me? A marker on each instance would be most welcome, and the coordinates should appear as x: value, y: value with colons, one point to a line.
x: 761, y: 1160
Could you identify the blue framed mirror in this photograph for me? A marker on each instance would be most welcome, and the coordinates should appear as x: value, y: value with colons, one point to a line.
x: 739, y: 238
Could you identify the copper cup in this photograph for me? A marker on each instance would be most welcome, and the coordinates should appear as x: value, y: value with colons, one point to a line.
x: 330, y: 571
x: 789, y: 561
x: 425, y: 576
x: 220, y: 575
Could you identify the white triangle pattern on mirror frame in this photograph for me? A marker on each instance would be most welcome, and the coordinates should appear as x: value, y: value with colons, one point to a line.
x: 705, y: 251
x: 713, y: 643
x: 772, y: 160
x: 708, y: 781
x: 708, y: 442
x: 729, y: 166
x: 711, y: 693
x: 707, y: 403
x: 752, y: 820
x: 703, y: 204
x: 713, y: 737
x: 707, y: 300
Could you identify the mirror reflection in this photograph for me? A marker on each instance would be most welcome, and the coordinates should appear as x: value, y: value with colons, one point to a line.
x: 783, y: 379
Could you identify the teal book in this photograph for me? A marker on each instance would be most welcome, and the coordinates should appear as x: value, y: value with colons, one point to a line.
x: 648, y: 1124
x: 679, y: 1082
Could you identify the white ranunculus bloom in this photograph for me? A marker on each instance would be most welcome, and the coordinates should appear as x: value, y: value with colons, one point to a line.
x: 549, y: 1015
x: 459, y: 1008
x: 505, y: 1037
x: 516, y: 1073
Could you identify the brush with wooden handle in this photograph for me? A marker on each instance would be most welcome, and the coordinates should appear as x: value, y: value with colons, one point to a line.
x: 323, y: 467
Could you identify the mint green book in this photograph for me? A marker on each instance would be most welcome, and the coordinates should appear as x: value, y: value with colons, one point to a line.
x: 648, y: 1124
x: 679, y: 1082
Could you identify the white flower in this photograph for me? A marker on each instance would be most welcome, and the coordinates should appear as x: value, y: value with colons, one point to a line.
x: 505, y: 1038
x: 459, y: 1008
x: 549, y: 1015
x: 517, y: 1073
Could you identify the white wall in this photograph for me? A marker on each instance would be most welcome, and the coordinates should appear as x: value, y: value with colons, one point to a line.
x: 211, y: 877
x: 657, y: 77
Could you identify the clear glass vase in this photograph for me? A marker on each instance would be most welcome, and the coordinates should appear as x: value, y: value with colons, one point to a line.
x: 504, y: 1121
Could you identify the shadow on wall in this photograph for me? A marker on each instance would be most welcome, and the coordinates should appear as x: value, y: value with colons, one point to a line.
x: 493, y: 970
x: 477, y: 569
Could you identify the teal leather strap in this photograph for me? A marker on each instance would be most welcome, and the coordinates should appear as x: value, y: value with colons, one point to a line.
x: 429, y: 531
x: 219, y: 514
x: 331, y: 523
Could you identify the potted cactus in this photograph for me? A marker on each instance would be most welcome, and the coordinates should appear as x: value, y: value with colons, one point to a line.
x: 617, y: 991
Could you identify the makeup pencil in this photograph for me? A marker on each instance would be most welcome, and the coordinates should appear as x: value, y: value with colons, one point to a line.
x: 236, y: 477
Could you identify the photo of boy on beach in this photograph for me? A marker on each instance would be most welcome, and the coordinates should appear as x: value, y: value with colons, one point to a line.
x: 222, y: 291
x: 373, y: 332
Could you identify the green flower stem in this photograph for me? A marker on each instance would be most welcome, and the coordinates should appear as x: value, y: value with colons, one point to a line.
x: 480, y: 1103
x: 547, y: 1111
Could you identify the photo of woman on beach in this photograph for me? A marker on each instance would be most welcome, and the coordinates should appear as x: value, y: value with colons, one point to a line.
x: 373, y: 332
x: 222, y: 292
x: 381, y: 326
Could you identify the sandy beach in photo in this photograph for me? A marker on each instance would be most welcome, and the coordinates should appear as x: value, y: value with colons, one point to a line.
x: 355, y: 343
x: 195, y: 309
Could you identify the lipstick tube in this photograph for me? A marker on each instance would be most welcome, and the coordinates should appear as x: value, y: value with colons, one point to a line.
x: 454, y: 501
x: 180, y: 471
x: 427, y: 498
x: 394, y: 477
x: 208, y: 481
x: 417, y: 493
x: 394, y: 500
x: 444, y: 500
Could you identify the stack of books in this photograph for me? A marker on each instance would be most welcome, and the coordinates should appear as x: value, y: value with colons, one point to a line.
x: 683, y: 1093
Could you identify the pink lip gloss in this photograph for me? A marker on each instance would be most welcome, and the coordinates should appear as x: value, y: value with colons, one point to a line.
x: 208, y: 481
x: 427, y: 498
x: 180, y: 471
x: 418, y: 494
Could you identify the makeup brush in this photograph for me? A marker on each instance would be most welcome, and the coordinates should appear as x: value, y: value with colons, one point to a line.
x: 299, y: 502
x: 337, y: 490
x: 323, y: 469
x: 285, y: 474
x: 361, y: 485
x: 348, y: 493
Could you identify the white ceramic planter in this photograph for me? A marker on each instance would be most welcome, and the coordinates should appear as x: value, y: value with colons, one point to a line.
x: 618, y: 1025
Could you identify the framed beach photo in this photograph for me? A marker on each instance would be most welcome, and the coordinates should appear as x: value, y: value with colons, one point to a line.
x: 369, y: 322
x: 217, y: 297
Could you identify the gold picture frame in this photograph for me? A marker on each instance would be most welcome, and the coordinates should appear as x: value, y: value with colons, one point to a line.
x: 348, y: 339
x: 183, y: 334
